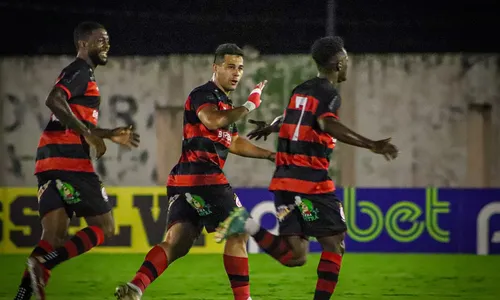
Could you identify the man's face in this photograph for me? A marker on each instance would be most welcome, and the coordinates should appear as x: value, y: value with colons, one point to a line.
x: 98, y: 47
x: 229, y: 72
x: 343, y: 60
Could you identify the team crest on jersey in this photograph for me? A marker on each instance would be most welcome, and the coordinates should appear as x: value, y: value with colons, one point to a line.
x: 68, y: 193
x: 309, y: 213
x: 202, y: 208
x: 283, y: 211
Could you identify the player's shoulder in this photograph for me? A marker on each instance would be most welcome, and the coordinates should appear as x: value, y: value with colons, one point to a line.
x: 319, y: 88
x: 78, y: 68
x: 208, y: 91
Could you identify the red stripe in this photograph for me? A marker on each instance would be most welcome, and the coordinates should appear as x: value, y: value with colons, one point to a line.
x: 45, y: 246
x: 195, y: 180
x: 199, y: 130
x: 326, y: 286
x: 203, y: 106
x: 266, y: 240
x: 285, y: 258
x: 65, y: 164
x: 65, y: 89
x: 224, y: 106
x: 59, y: 137
x: 306, y: 134
x: 87, y: 244
x: 71, y: 248
x: 300, y: 160
x: 194, y: 156
x: 92, y: 89
x: 85, y: 113
x: 328, y: 114
x: 301, y: 186
x: 236, y: 265
x: 333, y: 257
x: 99, y: 233
x: 311, y: 105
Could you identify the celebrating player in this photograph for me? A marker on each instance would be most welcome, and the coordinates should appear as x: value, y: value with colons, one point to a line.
x: 304, y: 194
x: 67, y: 182
x: 198, y: 191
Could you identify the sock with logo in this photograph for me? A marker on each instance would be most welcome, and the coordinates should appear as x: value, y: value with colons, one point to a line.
x: 238, y: 274
x: 24, y: 292
x: 155, y: 263
x: 83, y: 241
x: 328, y: 275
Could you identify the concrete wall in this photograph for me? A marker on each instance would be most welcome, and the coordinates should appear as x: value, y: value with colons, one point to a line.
x: 420, y: 100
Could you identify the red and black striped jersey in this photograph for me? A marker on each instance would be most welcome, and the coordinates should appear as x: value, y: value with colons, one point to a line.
x: 303, y: 155
x: 61, y: 148
x: 204, y: 151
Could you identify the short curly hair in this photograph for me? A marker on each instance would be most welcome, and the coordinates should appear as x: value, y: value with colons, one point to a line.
x: 324, y: 49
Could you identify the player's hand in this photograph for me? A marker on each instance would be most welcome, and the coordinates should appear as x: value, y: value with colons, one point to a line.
x: 272, y: 157
x: 126, y: 136
x: 263, y: 130
x: 384, y: 147
x: 254, y: 100
x: 97, y: 145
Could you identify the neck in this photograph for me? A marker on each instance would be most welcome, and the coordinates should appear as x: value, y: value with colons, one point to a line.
x: 216, y: 82
x: 331, y: 77
x: 87, y: 59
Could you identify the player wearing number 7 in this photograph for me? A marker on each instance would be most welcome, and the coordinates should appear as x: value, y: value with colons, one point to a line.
x: 304, y: 193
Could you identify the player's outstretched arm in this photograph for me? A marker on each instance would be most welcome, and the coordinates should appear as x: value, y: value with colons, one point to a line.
x: 57, y: 102
x: 263, y: 129
x: 242, y: 147
x: 342, y: 133
x: 213, y: 118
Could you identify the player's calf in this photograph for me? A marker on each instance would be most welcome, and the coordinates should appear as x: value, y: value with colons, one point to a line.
x: 236, y: 266
x: 329, y: 266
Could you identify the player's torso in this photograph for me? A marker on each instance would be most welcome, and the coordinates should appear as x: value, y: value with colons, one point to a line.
x: 303, y: 152
x: 61, y: 148
x: 204, y: 151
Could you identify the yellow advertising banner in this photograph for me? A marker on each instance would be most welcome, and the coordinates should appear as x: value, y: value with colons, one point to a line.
x: 140, y: 216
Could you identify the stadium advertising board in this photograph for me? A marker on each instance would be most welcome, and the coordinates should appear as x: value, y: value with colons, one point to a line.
x: 379, y: 220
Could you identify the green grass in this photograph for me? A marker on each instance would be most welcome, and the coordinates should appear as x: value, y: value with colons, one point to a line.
x: 363, y: 276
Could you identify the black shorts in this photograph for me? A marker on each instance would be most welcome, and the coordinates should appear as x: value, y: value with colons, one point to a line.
x: 202, y: 206
x: 316, y: 215
x: 81, y: 194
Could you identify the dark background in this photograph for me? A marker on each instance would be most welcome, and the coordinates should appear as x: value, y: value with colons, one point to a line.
x: 159, y: 27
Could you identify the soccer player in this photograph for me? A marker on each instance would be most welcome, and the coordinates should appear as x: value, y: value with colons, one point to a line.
x: 198, y: 191
x: 67, y: 182
x: 304, y: 194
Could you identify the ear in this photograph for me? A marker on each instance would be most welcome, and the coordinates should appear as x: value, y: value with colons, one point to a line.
x: 214, y: 68
x: 82, y: 44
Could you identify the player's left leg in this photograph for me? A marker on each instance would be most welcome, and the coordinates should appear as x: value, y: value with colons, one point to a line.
x: 92, y: 203
x: 329, y: 265
x: 224, y: 200
x: 236, y: 265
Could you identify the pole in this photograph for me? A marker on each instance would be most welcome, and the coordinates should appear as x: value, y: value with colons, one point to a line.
x: 330, y: 17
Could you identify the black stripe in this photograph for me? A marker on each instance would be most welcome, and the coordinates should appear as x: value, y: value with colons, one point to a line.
x: 322, y: 295
x: 330, y: 276
x: 80, y: 246
x: 91, y: 234
x: 241, y: 278
x: 190, y: 117
x: 301, y: 173
x: 149, y: 265
x: 87, y: 101
x: 69, y: 151
x: 196, y: 168
x: 293, y: 117
x: 304, y: 148
x: 205, y: 144
x: 39, y: 251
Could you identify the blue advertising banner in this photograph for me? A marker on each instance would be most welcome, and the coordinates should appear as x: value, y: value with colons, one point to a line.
x: 418, y: 220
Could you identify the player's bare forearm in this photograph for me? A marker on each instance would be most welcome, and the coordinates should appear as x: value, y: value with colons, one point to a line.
x: 242, y: 147
x: 213, y: 118
x: 343, y: 134
x: 58, y: 104
x: 103, y: 133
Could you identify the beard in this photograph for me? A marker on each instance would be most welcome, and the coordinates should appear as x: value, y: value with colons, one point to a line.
x: 96, y: 59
